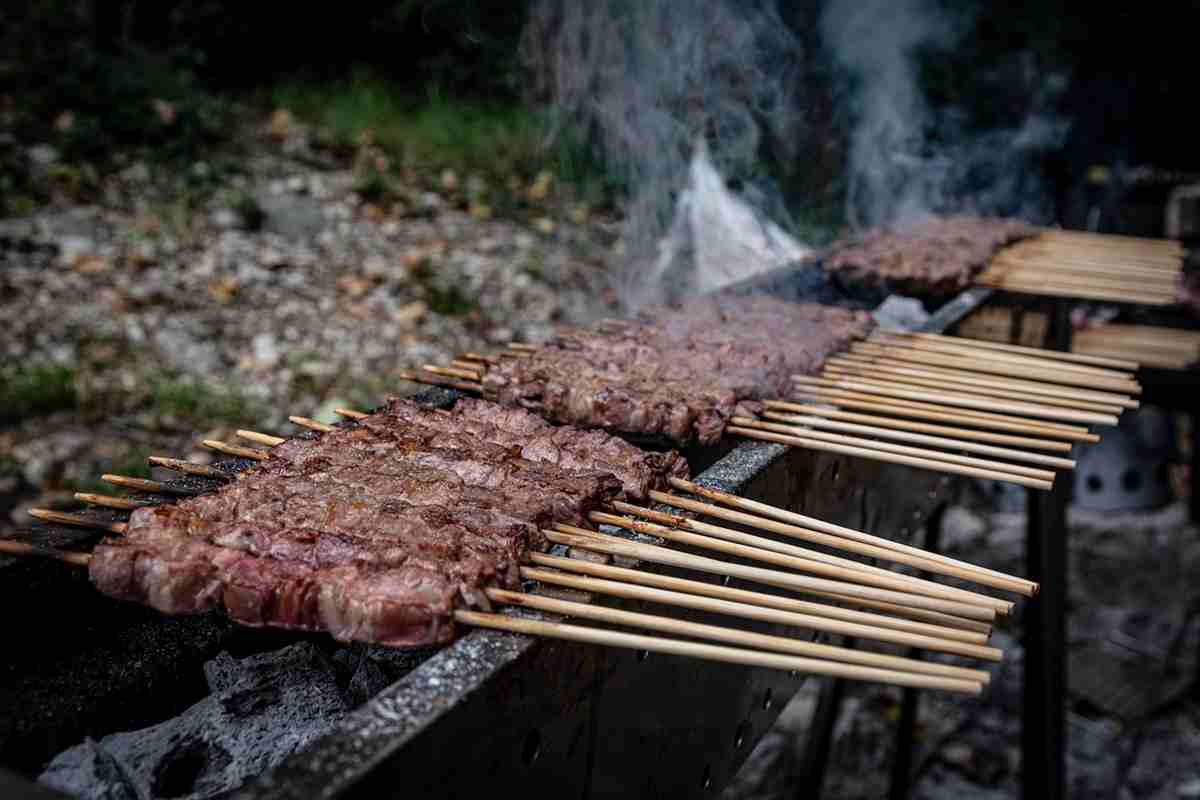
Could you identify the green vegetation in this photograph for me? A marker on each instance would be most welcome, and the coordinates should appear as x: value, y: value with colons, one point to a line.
x: 191, y: 400
x: 35, y: 391
x: 432, y: 132
x: 133, y: 464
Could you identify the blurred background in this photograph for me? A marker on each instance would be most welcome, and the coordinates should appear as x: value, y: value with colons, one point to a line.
x: 217, y: 214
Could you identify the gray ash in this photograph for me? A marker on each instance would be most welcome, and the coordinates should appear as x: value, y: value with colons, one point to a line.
x: 261, y: 709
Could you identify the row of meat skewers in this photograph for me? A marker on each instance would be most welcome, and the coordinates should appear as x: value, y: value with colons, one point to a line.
x: 965, y: 407
x: 886, y: 607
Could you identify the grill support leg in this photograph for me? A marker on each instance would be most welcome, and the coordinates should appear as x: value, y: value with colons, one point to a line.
x: 820, y: 736
x: 1194, y: 469
x: 910, y: 704
x: 1043, y: 733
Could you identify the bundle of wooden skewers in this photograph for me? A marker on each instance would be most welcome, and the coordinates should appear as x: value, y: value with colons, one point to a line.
x: 1006, y: 406
x: 847, y: 597
x: 1090, y: 266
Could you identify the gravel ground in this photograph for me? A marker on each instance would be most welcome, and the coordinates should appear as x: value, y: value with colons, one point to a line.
x: 289, y: 293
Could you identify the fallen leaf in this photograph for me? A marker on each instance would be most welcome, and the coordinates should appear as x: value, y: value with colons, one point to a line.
x: 224, y: 289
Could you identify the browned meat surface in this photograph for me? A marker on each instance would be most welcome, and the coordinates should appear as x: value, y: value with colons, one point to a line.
x: 372, y: 532
x: 943, y: 254
x: 639, y: 471
x: 676, y: 372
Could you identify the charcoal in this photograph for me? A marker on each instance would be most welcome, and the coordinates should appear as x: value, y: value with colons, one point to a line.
x: 262, y: 709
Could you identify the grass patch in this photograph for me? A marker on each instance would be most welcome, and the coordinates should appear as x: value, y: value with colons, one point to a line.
x: 191, y: 400
x: 36, y: 391
x: 432, y: 132
x: 134, y: 464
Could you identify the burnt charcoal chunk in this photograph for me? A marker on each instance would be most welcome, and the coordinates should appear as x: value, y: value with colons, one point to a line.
x: 676, y: 372
x: 263, y: 708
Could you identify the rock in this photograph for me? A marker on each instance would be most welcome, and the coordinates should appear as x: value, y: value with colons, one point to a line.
x: 73, y: 248
x: 958, y: 754
x: 266, y: 353
x: 42, y: 157
x: 544, y: 225
x: 449, y: 180
x: 1189, y: 789
x: 137, y: 172
x: 291, y: 216
x: 410, y: 314
x: 225, y: 218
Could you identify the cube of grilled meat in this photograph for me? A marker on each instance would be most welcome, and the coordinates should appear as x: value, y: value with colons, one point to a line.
x: 370, y: 532
x: 942, y: 254
x: 639, y: 471
x: 676, y: 372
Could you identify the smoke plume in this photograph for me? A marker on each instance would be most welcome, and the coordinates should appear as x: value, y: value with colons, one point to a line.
x: 907, y: 160
x: 681, y: 97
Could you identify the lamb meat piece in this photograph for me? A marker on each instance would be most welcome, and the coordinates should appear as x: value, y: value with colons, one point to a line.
x: 569, y: 447
x: 677, y: 372
x: 371, y: 533
x: 941, y: 254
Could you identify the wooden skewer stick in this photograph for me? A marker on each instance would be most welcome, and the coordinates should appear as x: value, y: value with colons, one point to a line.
x: 234, y: 450
x: 14, y: 548
x: 632, y: 591
x: 76, y: 520
x: 767, y: 551
x: 891, y: 458
x: 958, y: 399
x: 910, y: 613
x: 1031, y: 425
x: 350, y: 413
x: 759, y: 509
x: 955, y: 377
x: 748, y: 639
x: 802, y: 422
x: 523, y: 347
x: 452, y: 372
x: 911, y: 425
x: 479, y: 357
x: 959, y: 351
x: 858, y: 441
x: 815, y: 537
x: 448, y: 383
x: 1111, y: 363
x: 260, y: 438
x: 189, y: 468
x: 902, y: 408
x: 1075, y: 292
x: 732, y: 655
x: 803, y: 608
x: 798, y: 526
x: 613, y: 545
x: 109, y: 501
x: 967, y: 364
x: 881, y: 375
x: 143, y: 485
x: 311, y: 424
x: 474, y: 367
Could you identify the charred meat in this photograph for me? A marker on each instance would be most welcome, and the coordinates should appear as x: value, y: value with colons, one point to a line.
x: 676, y: 372
x: 374, y: 531
x: 942, y: 254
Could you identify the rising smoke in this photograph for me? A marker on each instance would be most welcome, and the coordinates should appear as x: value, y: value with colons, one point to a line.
x: 686, y: 98
x: 674, y: 93
x: 906, y: 160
